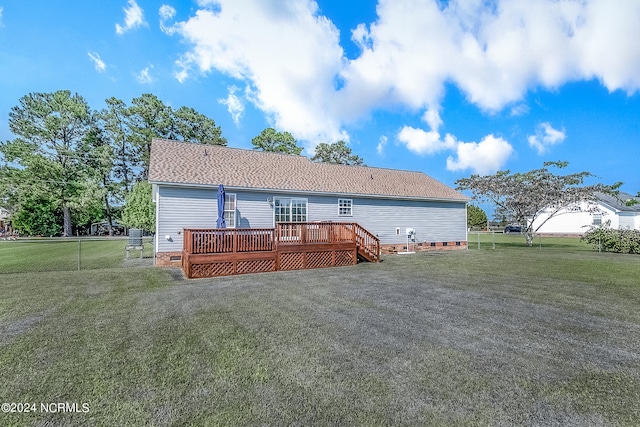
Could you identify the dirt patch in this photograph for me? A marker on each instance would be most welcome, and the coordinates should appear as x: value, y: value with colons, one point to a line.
x: 11, y: 330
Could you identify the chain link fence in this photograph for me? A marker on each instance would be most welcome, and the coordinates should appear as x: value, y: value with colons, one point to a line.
x: 499, y: 240
x: 25, y: 255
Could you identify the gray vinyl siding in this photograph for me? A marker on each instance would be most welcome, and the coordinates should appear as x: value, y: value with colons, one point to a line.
x: 184, y: 207
x: 180, y: 208
x: 433, y: 221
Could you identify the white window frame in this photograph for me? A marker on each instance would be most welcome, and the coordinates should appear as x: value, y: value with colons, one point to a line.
x: 345, y: 207
x: 597, y: 219
x: 290, y: 214
x: 230, y: 208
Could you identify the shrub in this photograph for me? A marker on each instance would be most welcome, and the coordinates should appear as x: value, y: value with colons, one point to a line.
x: 38, y: 215
x: 609, y: 240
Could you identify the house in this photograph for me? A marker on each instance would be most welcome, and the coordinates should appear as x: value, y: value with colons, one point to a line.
x: 620, y: 210
x: 264, y: 188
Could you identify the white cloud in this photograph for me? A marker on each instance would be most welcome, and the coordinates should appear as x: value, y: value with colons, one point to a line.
x: 234, y: 105
x: 97, y: 61
x: 382, y: 143
x: 166, y: 13
x: 519, y: 110
x: 1, y: 10
x: 546, y: 137
x: 144, y: 76
x: 483, y: 158
x: 285, y: 52
x: 133, y: 17
x: 493, y: 51
x: 426, y: 142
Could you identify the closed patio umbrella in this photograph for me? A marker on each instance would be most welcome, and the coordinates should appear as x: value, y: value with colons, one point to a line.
x: 220, y: 223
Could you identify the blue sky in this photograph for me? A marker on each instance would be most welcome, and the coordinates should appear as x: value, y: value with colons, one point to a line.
x: 449, y: 88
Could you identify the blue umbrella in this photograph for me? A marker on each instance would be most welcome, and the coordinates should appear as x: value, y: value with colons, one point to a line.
x: 220, y: 223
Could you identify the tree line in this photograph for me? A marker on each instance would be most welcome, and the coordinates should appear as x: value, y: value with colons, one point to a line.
x: 70, y: 166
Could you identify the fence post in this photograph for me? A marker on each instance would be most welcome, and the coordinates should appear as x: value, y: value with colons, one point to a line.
x: 79, y: 253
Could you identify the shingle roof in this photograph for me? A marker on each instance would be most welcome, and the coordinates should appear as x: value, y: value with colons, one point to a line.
x: 619, y: 201
x: 175, y: 162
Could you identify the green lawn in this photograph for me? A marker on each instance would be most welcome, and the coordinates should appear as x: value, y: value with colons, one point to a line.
x: 66, y: 254
x: 511, y: 336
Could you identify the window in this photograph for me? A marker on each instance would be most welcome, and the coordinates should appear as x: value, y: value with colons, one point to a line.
x: 230, y: 210
x: 290, y: 210
x: 345, y: 207
x: 597, y: 219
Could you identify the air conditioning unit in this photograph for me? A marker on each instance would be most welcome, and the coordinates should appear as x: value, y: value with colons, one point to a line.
x: 135, y: 237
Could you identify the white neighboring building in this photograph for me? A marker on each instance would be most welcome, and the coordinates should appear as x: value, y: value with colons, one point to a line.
x: 4, y: 215
x: 578, y: 218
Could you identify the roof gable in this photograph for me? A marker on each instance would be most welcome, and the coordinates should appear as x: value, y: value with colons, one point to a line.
x: 174, y: 162
x: 619, y: 201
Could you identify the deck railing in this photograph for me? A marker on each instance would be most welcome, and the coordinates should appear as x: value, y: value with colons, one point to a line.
x: 228, y: 240
x: 288, y: 246
x: 314, y: 232
x: 368, y: 244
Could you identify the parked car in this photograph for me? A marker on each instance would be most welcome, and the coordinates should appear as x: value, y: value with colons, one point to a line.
x: 512, y: 229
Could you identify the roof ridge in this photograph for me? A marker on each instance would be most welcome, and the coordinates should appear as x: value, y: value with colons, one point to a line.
x: 249, y: 150
x: 296, y: 156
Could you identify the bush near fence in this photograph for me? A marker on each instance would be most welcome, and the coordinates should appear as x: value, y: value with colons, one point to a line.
x: 611, y: 240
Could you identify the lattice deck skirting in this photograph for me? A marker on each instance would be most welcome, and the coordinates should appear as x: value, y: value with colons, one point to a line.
x: 214, y: 265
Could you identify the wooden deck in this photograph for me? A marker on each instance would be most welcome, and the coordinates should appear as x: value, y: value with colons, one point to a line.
x: 289, y: 246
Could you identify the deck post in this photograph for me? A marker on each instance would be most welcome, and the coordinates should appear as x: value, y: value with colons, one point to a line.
x: 274, y: 248
x: 354, y: 234
x: 234, y: 241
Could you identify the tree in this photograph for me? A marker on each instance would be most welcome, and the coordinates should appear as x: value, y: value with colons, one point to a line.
x: 476, y: 217
x: 38, y: 216
x: 337, y: 153
x: 148, y: 118
x: 139, y: 210
x: 101, y: 160
x: 50, y: 129
x: 525, y: 196
x: 633, y: 201
x: 114, y: 125
x: 277, y: 142
x: 191, y: 126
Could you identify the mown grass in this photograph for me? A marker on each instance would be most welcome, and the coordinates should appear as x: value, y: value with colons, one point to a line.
x: 65, y: 254
x: 511, y: 336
